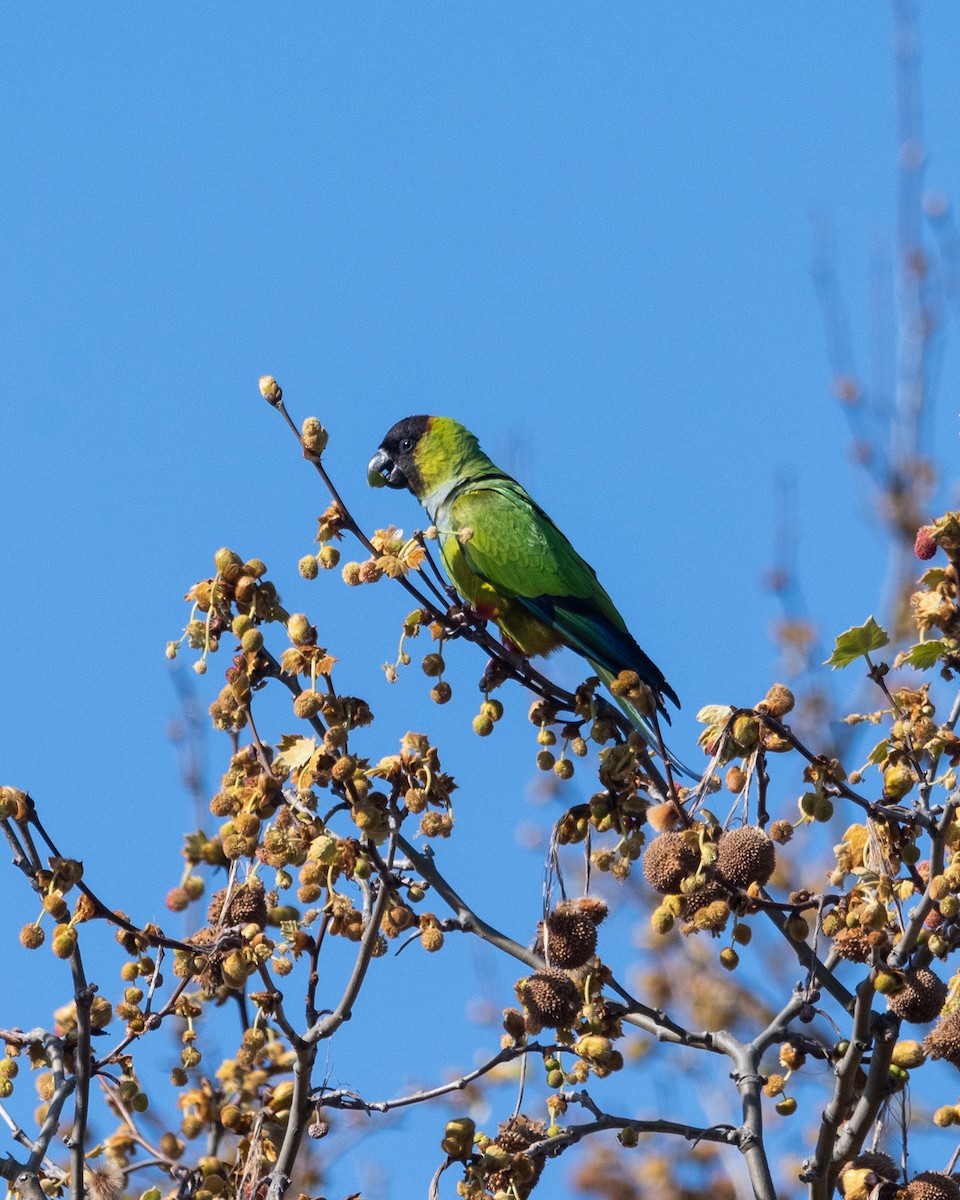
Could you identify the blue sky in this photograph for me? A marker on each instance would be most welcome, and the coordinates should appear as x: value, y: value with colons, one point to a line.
x: 582, y: 230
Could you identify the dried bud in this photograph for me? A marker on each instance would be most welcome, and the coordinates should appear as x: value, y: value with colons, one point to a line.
x: 300, y: 631
x: 778, y: 701
x: 315, y: 437
x: 270, y: 390
x: 458, y: 1138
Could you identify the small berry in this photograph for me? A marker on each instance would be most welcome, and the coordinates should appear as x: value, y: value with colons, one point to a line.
x: 925, y: 545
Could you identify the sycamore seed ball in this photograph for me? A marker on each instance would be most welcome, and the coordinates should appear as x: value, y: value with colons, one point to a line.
x: 308, y: 566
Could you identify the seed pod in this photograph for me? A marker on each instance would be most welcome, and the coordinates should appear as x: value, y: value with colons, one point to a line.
x: 550, y: 999
x: 920, y: 999
x: 943, y: 1041
x: 746, y: 855
x: 571, y: 936
x: 667, y: 861
x: 932, y: 1185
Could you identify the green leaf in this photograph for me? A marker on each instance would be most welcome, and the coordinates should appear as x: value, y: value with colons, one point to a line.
x: 923, y: 655
x: 879, y: 753
x: 857, y: 642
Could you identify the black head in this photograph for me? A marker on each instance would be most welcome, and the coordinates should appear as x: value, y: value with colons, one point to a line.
x: 394, y: 464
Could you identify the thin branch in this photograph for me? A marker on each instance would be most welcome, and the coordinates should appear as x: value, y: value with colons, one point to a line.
x: 816, y: 1170
x: 344, y: 1099
x: 727, y: 1135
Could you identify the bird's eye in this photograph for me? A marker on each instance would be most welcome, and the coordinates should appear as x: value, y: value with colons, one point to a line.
x: 406, y: 445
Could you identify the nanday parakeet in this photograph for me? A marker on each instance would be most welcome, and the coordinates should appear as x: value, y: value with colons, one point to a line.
x: 507, y: 557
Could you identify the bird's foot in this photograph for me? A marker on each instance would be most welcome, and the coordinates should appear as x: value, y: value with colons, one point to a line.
x: 494, y: 673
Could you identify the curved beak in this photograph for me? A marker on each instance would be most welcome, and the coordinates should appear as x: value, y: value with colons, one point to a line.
x: 382, y: 471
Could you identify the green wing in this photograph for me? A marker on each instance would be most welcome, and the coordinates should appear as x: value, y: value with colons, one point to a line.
x: 518, y: 549
x: 520, y: 552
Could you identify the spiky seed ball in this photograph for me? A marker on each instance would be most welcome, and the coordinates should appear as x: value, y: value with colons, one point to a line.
x: 667, y: 861
x: 550, y: 998
x: 520, y: 1177
x: 746, y: 855
x: 781, y: 832
x: 592, y: 907
x: 307, y: 704
x: 873, y: 1160
x: 855, y: 945
x: 571, y: 937
x: 247, y: 906
x: 520, y: 1132
x: 943, y: 1041
x: 932, y: 1185
x: 921, y: 998
x: 32, y: 936
x: 925, y: 545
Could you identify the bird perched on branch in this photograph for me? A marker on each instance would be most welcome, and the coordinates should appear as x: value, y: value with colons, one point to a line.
x: 511, y: 562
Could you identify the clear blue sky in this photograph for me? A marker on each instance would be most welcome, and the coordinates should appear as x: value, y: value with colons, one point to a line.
x: 582, y: 230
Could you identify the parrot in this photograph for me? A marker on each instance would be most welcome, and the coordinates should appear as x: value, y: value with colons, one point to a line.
x: 506, y: 557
